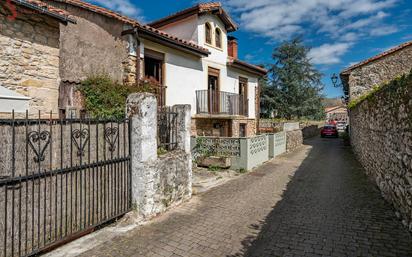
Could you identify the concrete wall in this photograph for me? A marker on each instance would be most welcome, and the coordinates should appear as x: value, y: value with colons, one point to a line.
x: 29, y: 58
x: 381, y: 137
x: 362, y: 79
x: 245, y: 153
x: 277, y: 144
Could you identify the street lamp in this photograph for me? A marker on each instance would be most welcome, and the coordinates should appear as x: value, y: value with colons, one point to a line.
x: 335, y: 80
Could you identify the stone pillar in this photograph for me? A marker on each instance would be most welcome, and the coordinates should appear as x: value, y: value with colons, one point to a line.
x: 141, y: 109
x: 183, y: 126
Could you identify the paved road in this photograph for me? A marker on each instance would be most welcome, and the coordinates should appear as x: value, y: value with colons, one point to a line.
x: 314, y: 202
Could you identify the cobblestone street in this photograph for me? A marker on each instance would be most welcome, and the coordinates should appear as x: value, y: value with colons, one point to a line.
x: 313, y: 202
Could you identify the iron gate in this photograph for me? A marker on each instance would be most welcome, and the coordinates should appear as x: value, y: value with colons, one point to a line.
x: 60, y: 179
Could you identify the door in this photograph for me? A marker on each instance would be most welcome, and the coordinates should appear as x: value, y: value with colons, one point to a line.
x: 243, y: 95
x: 213, y: 91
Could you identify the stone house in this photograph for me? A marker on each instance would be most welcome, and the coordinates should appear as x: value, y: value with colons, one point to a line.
x: 338, y: 113
x: 360, y: 78
x: 29, y: 56
x: 189, y: 54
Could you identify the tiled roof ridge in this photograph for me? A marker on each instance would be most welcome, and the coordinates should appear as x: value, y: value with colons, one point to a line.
x: 377, y: 57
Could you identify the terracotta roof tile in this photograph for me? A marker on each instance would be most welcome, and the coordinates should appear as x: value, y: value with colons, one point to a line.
x: 376, y: 57
x: 199, y: 8
x: 256, y: 68
x: 43, y: 5
x: 100, y: 10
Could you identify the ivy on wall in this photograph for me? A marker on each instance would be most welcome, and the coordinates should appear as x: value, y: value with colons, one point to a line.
x: 400, y: 81
x: 106, y: 98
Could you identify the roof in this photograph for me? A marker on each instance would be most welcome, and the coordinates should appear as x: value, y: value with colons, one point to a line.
x: 10, y: 94
x: 212, y: 7
x: 134, y: 23
x: 330, y: 109
x: 376, y: 57
x: 43, y: 8
x: 101, y: 10
x: 236, y: 63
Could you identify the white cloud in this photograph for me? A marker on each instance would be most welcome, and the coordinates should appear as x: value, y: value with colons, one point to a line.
x: 384, y: 30
x: 328, y: 53
x: 281, y: 19
x: 125, y: 7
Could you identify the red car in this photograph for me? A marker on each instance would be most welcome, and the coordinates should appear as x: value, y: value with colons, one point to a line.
x: 329, y: 131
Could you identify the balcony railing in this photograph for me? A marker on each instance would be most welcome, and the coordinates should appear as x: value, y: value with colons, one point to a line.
x: 219, y: 102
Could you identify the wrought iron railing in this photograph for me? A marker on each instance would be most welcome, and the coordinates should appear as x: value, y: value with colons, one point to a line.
x: 60, y: 179
x: 219, y: 102
x: 166, y: 128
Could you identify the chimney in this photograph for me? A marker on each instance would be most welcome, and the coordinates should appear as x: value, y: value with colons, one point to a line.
x: 232, y: 46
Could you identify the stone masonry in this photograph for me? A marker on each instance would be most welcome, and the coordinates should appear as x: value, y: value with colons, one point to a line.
x: 158, y: 182
x: 384, y: 69
x: 29, y: 58
x: 381, y: 136
x: 294, y: 139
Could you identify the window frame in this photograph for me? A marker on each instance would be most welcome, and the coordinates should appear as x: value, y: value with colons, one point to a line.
x: 209, y: 27
x: 218, y: 31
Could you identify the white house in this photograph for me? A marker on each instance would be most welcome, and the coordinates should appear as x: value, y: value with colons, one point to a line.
x: 189, y: 54
x: 222, y: 90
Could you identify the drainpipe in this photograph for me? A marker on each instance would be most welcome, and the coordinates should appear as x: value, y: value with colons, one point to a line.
x: 137, y: 60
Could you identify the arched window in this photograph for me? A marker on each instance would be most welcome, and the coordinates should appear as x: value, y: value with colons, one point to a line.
x: 218, y: 38
x: 208, y: 33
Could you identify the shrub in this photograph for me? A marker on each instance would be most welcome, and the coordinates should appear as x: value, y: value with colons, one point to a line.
x: 106, y: 98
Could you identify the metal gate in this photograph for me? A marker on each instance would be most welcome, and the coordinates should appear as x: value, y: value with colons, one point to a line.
x: 60, y: 179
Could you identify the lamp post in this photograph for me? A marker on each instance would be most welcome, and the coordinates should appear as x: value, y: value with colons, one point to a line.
x: 337, y: 83
x: 335, y: 80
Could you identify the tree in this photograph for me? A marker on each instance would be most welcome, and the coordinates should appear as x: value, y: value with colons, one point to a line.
x: 293, y: 87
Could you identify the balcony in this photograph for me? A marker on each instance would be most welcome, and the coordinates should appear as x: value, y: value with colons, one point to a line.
x: 212, y: 102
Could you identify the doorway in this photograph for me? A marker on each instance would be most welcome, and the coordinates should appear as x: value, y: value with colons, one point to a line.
x: 213, y: 91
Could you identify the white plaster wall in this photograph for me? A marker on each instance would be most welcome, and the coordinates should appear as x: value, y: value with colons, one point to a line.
x: 184, y: 74
x: 216, y: 55
x: 185, y: 29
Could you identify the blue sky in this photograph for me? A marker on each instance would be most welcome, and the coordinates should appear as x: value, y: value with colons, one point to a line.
x: 340, y: 32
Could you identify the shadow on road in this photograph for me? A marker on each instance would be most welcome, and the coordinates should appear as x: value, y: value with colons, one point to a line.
x: 329, y: 208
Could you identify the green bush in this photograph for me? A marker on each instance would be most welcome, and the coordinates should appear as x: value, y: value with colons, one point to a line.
x: 106, y: 98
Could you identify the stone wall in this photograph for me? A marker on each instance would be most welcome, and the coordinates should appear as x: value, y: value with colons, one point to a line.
x: 310, y: 131
x: 84, y: 53
x: 250, y: 127
x: 158, y: 182
x: 294, y: 139
x: 363, y: 78
x: 222, y: 127
x: 381, y: 137
x: 29, y: 58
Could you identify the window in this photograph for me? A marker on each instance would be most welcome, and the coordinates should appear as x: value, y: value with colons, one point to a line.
x: 153, y: 70
x: 208, y: 33
x: 153, y: 65
x: 218, y: 38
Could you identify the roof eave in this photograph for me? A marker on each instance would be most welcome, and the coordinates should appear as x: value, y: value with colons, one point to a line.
x: 155, y: 37
x: 41, y: 10
x: 247, y: 67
